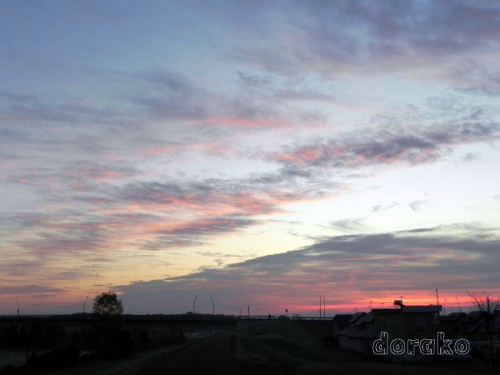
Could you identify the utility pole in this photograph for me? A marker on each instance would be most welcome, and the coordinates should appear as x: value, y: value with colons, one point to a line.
x: 213, y: 306
x: 194, y: 304
x: 17, y: 307
x: 84, y: 304
x: 459, y: 309
x: 320, y: 307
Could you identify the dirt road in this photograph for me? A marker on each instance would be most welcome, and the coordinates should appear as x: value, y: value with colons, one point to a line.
x: 209, y: 356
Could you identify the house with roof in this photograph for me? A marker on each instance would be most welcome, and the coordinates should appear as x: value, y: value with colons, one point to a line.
x: 402, y: 322
x: 476, y: 327
x: 453, y: 325
x: 408, y: 322
x: 340, y: 322
x: 359, y: 335
x: 476, y: 324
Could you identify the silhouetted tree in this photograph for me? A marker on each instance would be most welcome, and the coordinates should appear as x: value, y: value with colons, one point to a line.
x: 107, y: 304
x: 487, y: 305
x: 110, y: 341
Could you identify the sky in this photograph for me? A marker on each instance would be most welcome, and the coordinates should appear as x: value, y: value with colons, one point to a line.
x: 257, y: 154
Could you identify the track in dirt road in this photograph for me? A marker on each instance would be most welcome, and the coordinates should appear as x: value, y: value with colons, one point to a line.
x: 209, y: 356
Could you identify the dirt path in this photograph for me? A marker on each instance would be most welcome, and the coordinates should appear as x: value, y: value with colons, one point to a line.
x: 209, y: 356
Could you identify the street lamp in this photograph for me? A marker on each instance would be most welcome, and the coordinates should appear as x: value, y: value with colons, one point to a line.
x: 84, y: 304
x: 324, y: 308
x: 213, y: 306
x: 194, y: 304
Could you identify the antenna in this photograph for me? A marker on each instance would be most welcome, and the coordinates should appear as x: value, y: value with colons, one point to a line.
x: 399, y: 302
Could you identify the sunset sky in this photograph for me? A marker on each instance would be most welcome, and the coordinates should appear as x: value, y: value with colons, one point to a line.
x: 262, y: 153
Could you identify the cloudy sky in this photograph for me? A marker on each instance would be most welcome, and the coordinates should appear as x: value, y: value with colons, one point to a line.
x: 262, y: 153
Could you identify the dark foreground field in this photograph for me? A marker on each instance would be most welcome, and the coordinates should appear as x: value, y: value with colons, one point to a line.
x: 283, y: 347
x: 272, y: 348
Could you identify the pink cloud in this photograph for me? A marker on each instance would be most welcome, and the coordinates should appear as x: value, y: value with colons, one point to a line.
x: 244, y: 122
x: 86, y: 172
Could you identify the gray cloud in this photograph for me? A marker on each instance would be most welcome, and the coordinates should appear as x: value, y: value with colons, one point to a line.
x: 29, y: 289
x: 253, y: 80
x: 373, y: 38
x: 378, y: 266
x: 208, y: 226
x: 417, y: 205
x: 470, y: 156
x: 379, y: 207
x: 175, y: 96
x: 221, y: 255
x: 386, y: 146
x: 349, y: 225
